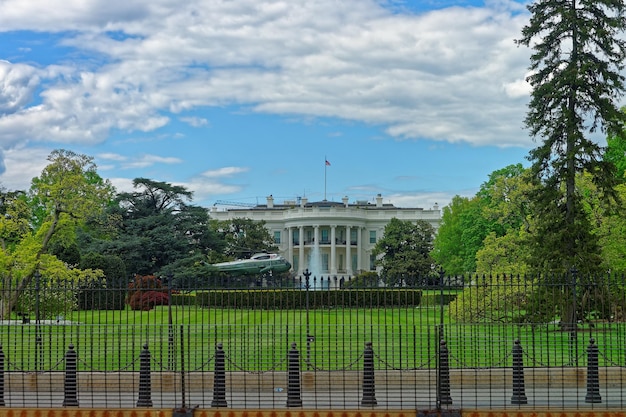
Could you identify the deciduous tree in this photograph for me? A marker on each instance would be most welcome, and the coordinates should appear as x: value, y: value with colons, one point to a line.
x: 244, y: 237
x: 404, y: 251
x: 68, y: 191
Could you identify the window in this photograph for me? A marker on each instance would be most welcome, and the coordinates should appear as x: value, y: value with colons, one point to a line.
x: 296, y: 262
x: 325, y: 238
x: 277, y: 237
x: 372, y: 236
x: 325, y: 262
x: 353, y: 236
x: 355, y: 260
x: 296, y: 237
x: 372, y: 263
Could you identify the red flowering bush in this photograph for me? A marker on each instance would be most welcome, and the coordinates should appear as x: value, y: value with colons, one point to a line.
x: 145, y: 292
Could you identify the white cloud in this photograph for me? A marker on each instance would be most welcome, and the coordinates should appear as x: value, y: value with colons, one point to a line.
x: 224, y: 172
x: 112, y: 156
x: 144, y: 161
x: 450, y: 75
x: 22, y: 165
x: 17, y: 86
x: 195, y: 121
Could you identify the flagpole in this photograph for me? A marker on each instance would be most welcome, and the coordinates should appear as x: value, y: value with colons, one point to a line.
x: 325, y: 167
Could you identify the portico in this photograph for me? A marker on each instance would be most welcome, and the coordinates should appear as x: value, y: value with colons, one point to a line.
x: 326, y: 237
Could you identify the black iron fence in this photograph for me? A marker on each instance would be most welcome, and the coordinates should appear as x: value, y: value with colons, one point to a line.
x: 409, y: 343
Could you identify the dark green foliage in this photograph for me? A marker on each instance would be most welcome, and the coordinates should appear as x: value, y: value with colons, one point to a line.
x: 108, y: 293
x: 367, y: 279
x: 616, y: 153
x: 155, y: 229
x: 68, y: 252
x: 405, y: 249
x: 297, y: 299
x: 554, y: 234
x: 595, y: 297
x: 244, y: 237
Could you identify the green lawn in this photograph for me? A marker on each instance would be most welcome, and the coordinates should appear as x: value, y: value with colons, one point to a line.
x: 256, y: 340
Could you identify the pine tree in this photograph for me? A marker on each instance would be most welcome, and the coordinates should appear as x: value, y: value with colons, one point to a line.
x: 576, y: 64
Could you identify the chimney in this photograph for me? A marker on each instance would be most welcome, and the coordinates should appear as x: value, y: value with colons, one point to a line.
x: 344, y: 200
x: 270, y: 201
x: 379, y: 200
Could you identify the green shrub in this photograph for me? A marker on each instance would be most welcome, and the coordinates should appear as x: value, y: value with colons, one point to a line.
x: 289, y: 299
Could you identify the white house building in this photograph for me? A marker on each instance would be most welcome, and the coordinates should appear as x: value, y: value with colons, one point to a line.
x: 326, y: 237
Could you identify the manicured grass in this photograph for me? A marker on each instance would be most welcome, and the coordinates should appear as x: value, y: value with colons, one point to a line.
x: 258, y: 340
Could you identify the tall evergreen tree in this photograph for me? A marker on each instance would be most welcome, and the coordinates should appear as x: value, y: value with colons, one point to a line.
x: 578, y: 55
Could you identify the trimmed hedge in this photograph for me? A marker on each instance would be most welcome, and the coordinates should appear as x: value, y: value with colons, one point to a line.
x: 293, y: 299
x: 290, y: 299
x: 430, y: 300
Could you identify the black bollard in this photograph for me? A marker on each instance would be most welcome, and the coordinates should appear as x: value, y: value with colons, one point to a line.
x: 519, y: 391
x: 443, y: 374
x: 219, y: 378
x: 145, y: 384
x: 2, y: 404
x: 593, y: 376
x: 71, y: 382
x: 293, y: 378
x: 369, y: 383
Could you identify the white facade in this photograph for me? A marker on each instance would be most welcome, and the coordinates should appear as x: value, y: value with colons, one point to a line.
x: 329, y: 238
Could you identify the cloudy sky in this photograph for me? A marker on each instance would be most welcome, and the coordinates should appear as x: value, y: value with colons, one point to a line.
x: 418, y: 100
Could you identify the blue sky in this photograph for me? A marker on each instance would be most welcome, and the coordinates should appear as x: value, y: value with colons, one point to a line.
x: 236, y: 100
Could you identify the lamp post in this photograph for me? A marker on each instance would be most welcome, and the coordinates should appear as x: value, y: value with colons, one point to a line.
x: 309, y: 337
x: 38, y: 337
x: 171, y: 353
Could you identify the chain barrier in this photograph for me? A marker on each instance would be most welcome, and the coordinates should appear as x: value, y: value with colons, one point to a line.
x: 272, y: 369
x: 570, y: 363
x: 501, y: 364
x: 348, y: 367
x: 610, y: 361
x: 423, y: 365
x: 125, y: 368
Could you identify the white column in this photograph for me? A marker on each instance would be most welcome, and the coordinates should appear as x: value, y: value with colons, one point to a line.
x: 301, y: 251
x: 290, y: 245
x: 316, y: 264
x: 348, y: 253
x: 359, y: 249
x: 333, y: 250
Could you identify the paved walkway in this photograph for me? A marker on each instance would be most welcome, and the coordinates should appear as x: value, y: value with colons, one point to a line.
x: 612, y: 398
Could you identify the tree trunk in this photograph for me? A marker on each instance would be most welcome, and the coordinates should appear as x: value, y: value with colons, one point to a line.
x: 11, y: 295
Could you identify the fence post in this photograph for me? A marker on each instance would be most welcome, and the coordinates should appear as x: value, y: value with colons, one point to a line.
x: 145, y: 384
x: 293, y: 378
x: 443, y: 373
x: 593, y: 377
x: 369, y: 383
x: 519, y: 391
x: 219, y: 379
x: 71, y: 386
x: 2, y: 404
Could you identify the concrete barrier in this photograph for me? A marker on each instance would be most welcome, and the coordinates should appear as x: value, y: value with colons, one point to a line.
x: 311, y: 380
